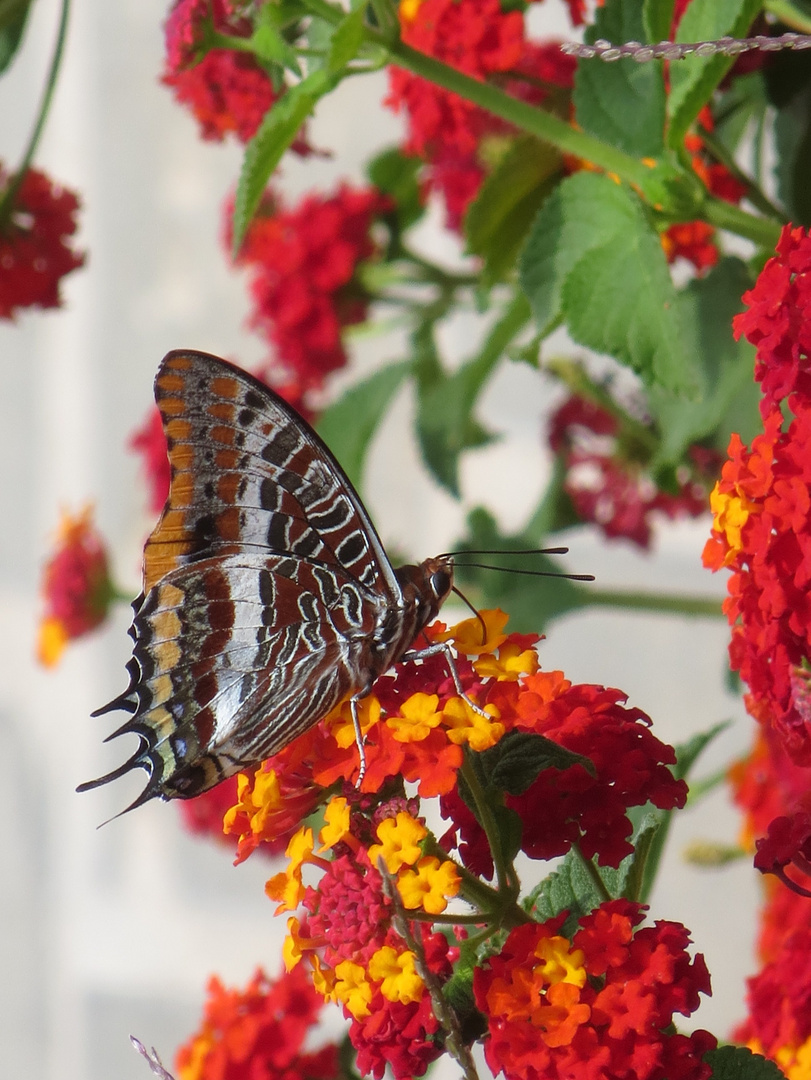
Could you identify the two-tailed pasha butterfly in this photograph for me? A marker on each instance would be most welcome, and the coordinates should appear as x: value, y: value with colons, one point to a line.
x: 267, y: 594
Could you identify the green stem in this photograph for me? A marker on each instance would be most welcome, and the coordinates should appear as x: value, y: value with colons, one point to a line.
x: 528, y: 118
x: 723, y: 215
x: 753, y: 192
x: 789, y: 14
x: 661, y: 602
x: 8, y: 196
x: 525, y: 117
x: 486, y: 820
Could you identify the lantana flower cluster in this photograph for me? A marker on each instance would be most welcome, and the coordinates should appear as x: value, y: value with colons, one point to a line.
x: 599, y: 1003
x: 607, y: 478
x: 259, y: 1031
x: 379, y: 909
x: 761, y: 534
x: 762, y: 507
x: 303, y: 265
x: 486, y: 40
x: 226, y: 89
x: 77, y: 589
x: 37, y: 221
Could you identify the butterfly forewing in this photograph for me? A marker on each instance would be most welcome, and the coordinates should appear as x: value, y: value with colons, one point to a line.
x: 247, y: 472
x: 267, y: 593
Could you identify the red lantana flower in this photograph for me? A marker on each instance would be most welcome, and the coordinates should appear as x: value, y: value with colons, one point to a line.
x: 226, y: 89
x: 601, y: 1004
x: 302, y: 264
x: 762, y: 533
x: 778, y: 321
x: 258, y: 1032
x: 608, y: 488
x: 693, y: 241
x: 779, y: 1003
x: 788, y: 842
x: 456, y: 138
x: 76, y: 586
x: 150, y: 442
x: 34, y: 252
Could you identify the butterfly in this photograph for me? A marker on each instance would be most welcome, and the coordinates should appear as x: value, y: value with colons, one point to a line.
x: 267, y: 594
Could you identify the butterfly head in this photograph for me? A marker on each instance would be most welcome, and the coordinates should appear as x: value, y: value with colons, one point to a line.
x: 426, y: 587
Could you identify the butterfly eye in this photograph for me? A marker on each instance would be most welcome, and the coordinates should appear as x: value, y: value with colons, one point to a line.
x: 440, y: 582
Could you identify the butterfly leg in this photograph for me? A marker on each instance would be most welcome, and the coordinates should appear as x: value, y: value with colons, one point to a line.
x: 353, y: 705
x: 444, y: 648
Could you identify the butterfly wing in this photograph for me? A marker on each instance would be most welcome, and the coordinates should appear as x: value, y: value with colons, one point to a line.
x: 248, y: 473
x: 264, y: 581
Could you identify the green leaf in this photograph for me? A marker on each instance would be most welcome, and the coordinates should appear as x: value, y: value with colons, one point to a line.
x: 518, y: 759
x: 657, y: 16
x: 531, y: 601
x: 569, y: 888
x: 789, y: 90
x: 348, y: 426
x: 621, y: 301
x: 13, y: 17
x: 397, y: 176
x: 270, y: 46
x: 742, y: 104
x: 496, y: 221
x: 445, y: 403
x: 739, y: 1063
x: 593, y: 259
x: 572, y: 886
x: 725, y: 366
x: 584, y: 212
x: 347, y: 40
x: 693, y: 80
x: 622, y: 103
x: 688, y: 753
x: 628, y: 878
x: 264, y: 151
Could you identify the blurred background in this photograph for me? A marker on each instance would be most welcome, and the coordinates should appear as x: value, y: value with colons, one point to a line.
x: 112, y: 931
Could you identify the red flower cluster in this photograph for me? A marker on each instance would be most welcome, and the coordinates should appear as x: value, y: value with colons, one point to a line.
x: 778, y: 321
x: 349, y: 922
x: 226, y: 89
x: 599, y: 1005
x: 76, y: 586
x: 34, y: 253
x: 303, y: 268
x: 481, y: 39
x: 762, y: 532
x: 610, y: 489
x: 576, y: 806
x: 421, y: 741
x: 779, y: 1000
x: 150, y: 441
x: 258, y: 1032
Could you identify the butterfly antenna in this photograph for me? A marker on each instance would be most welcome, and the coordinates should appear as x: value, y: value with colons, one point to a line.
x: 475, y: 611
x: 515, y: 569
x: 528, y: 573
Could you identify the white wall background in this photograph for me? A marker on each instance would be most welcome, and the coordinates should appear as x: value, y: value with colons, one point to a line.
x: 108, y: 932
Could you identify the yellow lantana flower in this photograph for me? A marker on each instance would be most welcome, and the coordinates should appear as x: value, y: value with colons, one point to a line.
x: 399, y: 842
x: 418, y: 715
x: 463, y: 725
x: 429, y: 885
x: 352, y: 989
x: 397, y: 974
